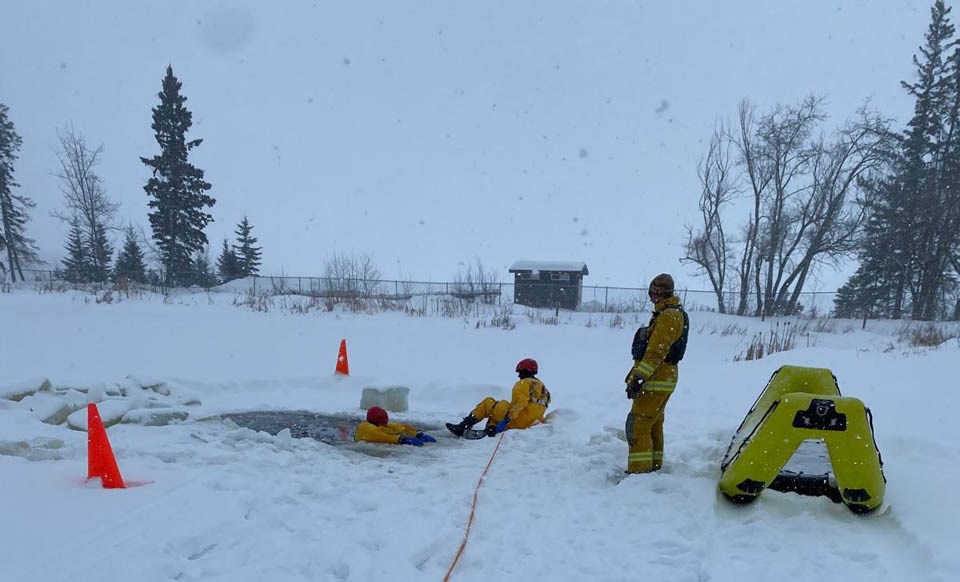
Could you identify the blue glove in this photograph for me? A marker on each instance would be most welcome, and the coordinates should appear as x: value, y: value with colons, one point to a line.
x: 405, y: 440
x: 425, y: 437
x: 495, y: 429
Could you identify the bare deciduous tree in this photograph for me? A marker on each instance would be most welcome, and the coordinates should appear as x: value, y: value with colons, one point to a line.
x: 757, y: 175
x: 830, y: 214
x: 707, y: 246
x: 783, y: 140
x: 351, y: 275
x: 804, y: 188
x: 476, y: 281
x: 85, y: 199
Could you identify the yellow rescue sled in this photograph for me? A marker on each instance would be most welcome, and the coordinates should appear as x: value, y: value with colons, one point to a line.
x: 800, y: 405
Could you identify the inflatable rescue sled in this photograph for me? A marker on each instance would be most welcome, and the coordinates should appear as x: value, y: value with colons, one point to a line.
x: 803, y: 406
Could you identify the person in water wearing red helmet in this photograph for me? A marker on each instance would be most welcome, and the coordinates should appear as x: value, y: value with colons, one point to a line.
x: 526, y: 407
x: 379, y: 429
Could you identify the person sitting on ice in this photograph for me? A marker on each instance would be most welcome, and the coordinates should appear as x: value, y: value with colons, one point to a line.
x: 528, y: 403
x: 379, y: 429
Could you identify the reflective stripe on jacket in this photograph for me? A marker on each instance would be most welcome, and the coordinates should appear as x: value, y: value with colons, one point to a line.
x: 665, y: 329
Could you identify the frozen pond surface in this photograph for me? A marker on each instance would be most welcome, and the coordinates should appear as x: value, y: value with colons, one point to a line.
x: 333, y: 429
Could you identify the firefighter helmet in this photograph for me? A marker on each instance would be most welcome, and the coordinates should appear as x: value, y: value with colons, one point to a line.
x: 527, y: 365
x: 377, y: 416
x: 661, y: 286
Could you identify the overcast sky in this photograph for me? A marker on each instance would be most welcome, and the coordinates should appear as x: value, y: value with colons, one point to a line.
x: 431, y: 134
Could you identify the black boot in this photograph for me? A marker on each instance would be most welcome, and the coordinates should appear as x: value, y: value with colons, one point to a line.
x: 467, y: 422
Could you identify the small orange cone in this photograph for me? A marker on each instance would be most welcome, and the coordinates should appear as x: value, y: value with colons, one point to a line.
x: 343, y: 366
x: 100, y: 460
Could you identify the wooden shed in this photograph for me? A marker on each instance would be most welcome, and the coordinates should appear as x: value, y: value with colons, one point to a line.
x: 548, y: 283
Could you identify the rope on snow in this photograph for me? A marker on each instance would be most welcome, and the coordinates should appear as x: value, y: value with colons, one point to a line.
x: 473, y: 508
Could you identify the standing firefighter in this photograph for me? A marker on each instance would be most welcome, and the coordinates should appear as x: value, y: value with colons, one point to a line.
x: 526, y: 407
x: 657, y: 349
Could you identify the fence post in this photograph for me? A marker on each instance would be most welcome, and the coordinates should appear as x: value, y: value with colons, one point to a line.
x: 606, y: 295
x: 254, y: 284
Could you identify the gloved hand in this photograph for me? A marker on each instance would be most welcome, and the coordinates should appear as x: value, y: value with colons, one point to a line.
x: 634, y: 383
x: 425, y: 437
x: 634, y: 389
x: 495, y: 429
x: 405, y: 440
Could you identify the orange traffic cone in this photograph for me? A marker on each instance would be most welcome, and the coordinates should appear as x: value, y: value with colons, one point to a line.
x: 343, y: 366
x: 100, y: 460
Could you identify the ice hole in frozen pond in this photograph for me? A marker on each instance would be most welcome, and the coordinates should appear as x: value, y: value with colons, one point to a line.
x: 332, y: 429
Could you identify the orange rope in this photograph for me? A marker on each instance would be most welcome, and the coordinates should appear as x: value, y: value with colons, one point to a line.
x: 473, y: 508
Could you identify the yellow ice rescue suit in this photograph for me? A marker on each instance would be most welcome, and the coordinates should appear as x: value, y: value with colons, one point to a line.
x: 655, y: 370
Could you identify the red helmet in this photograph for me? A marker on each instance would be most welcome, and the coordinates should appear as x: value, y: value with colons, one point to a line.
x: 527, y: 365
x: 377, y: 415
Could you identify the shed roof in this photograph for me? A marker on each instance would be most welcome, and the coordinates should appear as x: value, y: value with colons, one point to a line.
x: 565, y: 266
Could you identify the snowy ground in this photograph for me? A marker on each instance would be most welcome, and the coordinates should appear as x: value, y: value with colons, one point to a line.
x: 227, y: 503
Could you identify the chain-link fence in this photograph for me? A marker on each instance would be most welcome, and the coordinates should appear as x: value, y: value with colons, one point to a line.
x: 593, y: 298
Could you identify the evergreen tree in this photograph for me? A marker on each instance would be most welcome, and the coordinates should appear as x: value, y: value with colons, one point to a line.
x: 902, y: 256
x: 100, y: 252
x: 77, y: 265
x: 130, y: 265
x: 849, y: 300
x: 878, y: 287
x: 203, y: 274
x: 20, y: 249
x: 950, y: 188
x: 177, y: 188
x: 929, y: 91
x: 920, y: 172
x: 153, y: 278
x: 248, y: 255
x: 227, y: 264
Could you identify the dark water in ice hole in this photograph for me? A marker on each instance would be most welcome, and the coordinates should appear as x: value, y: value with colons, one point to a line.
x: 332, y: 429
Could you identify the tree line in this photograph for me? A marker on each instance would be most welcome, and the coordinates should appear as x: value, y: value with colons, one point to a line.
x: 889, y: 198
x: 178, y: 202
x: 864, y: 189
x: 910, y: 251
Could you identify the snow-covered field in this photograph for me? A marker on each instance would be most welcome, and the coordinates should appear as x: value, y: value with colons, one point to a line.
x: 227, y: 503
